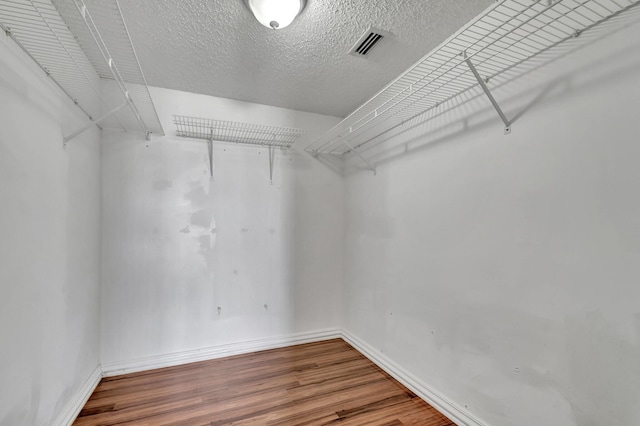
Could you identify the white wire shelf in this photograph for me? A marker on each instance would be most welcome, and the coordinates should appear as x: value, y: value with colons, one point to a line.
x: 505, y: 36
x: 111, y: 41
x: 230, y: 131
x: 61, y: 46
x: 38, y: 29
x: 243, y: 133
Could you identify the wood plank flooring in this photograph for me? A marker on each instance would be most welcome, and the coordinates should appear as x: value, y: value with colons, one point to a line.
x: 324, y: 383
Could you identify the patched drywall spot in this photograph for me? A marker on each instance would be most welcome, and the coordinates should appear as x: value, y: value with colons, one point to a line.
x: 161, y: 185
x: 207, y: 242
x: 202, y: 218
x: 200, y: 215
x: 197, y: 196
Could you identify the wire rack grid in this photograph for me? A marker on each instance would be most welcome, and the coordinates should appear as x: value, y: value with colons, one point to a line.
x: 37, y: 27
x: 64, y: 46
x: 105, y: 39
x: 506, y: 35
x: 229, y: 131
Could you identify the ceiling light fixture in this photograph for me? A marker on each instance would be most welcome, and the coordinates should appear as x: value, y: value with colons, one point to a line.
x: 275, y: 14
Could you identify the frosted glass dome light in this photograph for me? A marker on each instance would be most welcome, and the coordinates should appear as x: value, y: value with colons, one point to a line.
x: 275, y: 14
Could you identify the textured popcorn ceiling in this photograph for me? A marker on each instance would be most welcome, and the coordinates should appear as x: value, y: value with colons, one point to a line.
x: 216, y: 47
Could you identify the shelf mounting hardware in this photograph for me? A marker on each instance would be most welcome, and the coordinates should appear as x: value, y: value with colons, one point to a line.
x: 239, y: 133
x: 272, y: 154
x: 9, y: 32
x: 66, y: 44
x: 108, y: 58
x: 210, y: 149
x: 485, y: 88
x: 92, y: 123
x: 502, y: 42
x: 364, y: 160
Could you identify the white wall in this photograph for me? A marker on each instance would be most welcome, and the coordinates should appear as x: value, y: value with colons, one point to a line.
x: 49, y: 246
x: 500, y: 271
x: 503, y: 271
x: 177, y: 245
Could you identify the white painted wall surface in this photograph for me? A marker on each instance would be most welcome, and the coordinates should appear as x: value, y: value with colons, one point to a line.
x: 504, y: 271
x: 177, y: 245
x: 49, y: 246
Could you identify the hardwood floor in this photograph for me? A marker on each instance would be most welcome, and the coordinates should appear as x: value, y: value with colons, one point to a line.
x: 322, y: 383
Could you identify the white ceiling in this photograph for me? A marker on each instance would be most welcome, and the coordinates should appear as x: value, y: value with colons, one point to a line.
x: 216, y: 47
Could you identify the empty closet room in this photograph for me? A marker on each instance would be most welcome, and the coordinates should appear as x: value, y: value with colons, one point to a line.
x: 260, y: 212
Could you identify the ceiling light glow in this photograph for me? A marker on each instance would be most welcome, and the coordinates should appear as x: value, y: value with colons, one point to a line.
x: 275, y: 14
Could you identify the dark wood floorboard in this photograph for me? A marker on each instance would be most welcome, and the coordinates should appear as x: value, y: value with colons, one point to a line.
x: 324, y: 383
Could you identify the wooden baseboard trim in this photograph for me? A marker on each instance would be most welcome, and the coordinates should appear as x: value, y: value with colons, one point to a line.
x: 73, y: 407
x: 454, y: 412
x: 204, y: 354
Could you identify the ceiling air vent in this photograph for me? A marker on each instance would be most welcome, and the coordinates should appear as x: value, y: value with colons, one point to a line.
x: 368, y: 41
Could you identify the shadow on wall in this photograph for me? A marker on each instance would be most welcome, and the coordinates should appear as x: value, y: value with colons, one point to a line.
x: 550, y: 75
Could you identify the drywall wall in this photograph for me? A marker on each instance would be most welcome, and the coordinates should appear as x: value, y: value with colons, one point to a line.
x: 191, y: 263
x: 50, y: 247
x: 502, y: 271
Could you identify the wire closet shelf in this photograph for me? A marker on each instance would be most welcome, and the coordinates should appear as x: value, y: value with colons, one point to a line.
x: 62, y: 38
x: 243, y: 133
x: 502, y: 38
x: 230, y: 131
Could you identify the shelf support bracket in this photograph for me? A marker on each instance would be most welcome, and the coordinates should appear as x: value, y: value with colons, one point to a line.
x: 505, y: 120
x: 92, y: 123
x: 369, y: 166
x: 272, y: 155
x: 210, y: 150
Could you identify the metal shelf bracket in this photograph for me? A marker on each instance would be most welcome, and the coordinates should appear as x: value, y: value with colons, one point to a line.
x: 210, y: 150
x: 271, y: 158
x: 364, y: 160
x: 72, y: 53
x: 508, y: 40
x: 234, y: 132
x: 92, y: 123
x: 485, y: 89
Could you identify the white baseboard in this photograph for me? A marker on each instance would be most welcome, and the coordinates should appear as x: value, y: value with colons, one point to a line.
x: 454, y: 412
x: 73, y: 407
x: 204, y: 354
